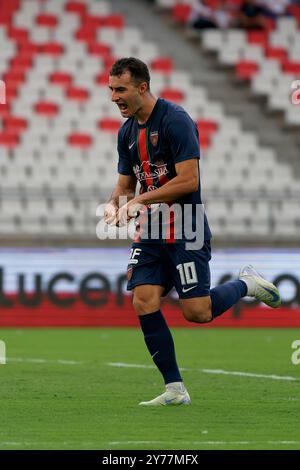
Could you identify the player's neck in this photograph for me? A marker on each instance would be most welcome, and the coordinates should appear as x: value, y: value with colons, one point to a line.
x: 145, y: 111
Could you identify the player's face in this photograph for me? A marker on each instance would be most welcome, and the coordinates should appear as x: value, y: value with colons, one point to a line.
x: 126, y: 94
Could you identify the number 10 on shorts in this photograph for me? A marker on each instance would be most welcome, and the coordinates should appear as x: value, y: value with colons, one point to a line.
x: 188, y: 273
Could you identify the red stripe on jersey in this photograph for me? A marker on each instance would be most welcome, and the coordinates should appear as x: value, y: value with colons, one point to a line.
x: 145, y: 168
x: 144, y: 156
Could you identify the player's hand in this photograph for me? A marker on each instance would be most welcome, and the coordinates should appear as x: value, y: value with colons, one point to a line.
x: 128, y: 211
x: 110, y: 213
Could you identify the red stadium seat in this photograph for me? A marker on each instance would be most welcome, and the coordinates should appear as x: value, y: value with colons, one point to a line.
x: 11, y: 6
x: 52, y: 48
x: 245, y: 70
x: 172, y: 94
x: 13, y: 76
x: 163, y: 65
x: 276, y: 53
x: 85, y: 34
x: 21, y: 63
x: 8, y: 139
x: 46, y: 19
x: 5, y: 18
x: 80, y: 140
x: 206, y: 126
x: 102, y: 78
x: 269, y: 24
x: 46, y: 108
x: 258, y: 37
x: 11, y: 91
x: 61, y: 78
x: 28, y: 49
x: 109, y: 124
x: 93, y: 21
x: 17, y: 34
x: 14, y: 124
x: 76, y: 7
x: 109, y: 61
x: 181, y: 12
x: 295, y: 11
x: 291, y: 67
x: 114, y: 21
x: 4, y: 110
x: 204, y: 140
x: 98, y: 48
x: 213, y: 3
x: 76, y: 93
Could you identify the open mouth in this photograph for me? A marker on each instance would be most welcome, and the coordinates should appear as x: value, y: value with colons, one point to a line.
x: 123, y: 107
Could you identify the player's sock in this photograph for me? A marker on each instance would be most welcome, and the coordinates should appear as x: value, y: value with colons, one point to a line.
x: 160, y: 344
x: 226, y: 295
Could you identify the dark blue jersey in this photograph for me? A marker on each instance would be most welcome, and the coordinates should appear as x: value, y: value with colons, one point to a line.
x: 150, y: 151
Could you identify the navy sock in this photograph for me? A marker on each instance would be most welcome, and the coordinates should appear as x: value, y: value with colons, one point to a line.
x: 226, y: 295
x: 160, y: 344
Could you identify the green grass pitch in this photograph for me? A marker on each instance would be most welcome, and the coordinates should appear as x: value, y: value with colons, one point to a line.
x: 50, y: 403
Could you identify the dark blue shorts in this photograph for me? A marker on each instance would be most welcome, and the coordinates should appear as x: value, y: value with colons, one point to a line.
x: 170, y: 266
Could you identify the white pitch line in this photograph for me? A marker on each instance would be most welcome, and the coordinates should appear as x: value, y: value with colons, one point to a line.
x: 43, y: 361
x: 164, y: 443
x: 131, y: 366
x: 250, y: 374
x: 135, y: 366
x: 213, y: 443
x: 212, y: 371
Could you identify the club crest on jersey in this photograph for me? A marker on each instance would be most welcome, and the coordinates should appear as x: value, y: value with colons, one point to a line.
x: 154, y: 138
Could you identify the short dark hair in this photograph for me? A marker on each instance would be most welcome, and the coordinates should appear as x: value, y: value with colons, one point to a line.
x: 138, y: 69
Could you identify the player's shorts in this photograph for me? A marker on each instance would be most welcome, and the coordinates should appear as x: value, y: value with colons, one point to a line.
x: 170, y: 265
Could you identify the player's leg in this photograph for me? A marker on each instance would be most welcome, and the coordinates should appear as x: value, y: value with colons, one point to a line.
x: 204, y: 309
x: 191, y: 275
x: 148, y: 282
x: 201, y: 304
x: 160, y: 344
x: 223, y: 297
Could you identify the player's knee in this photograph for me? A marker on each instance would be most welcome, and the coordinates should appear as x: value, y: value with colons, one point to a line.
x: 144, y: 305
x: 198, y: 315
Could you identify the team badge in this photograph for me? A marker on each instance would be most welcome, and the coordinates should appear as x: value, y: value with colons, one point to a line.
x: 154, y: 138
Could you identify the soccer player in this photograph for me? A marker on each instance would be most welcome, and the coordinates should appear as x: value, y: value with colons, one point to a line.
x: 158, y: 147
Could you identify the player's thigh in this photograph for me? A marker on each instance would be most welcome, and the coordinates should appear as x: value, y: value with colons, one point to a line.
x: 146, y: 298
x: 190, y: 271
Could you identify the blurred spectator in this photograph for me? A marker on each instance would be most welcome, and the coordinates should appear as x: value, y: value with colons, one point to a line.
x: 274, y: 8
x: 250, y: 15
x: 204, y: 16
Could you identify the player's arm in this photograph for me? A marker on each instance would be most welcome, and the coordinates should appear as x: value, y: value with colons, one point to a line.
x: 186, y: 181
x: 125, y: 186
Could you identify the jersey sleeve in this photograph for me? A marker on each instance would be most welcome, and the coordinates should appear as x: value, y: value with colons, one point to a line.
x: 183, y: 137
x: 124, y: 163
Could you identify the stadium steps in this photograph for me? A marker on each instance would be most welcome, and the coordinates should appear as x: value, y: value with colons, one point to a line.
x: 220, y: 85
